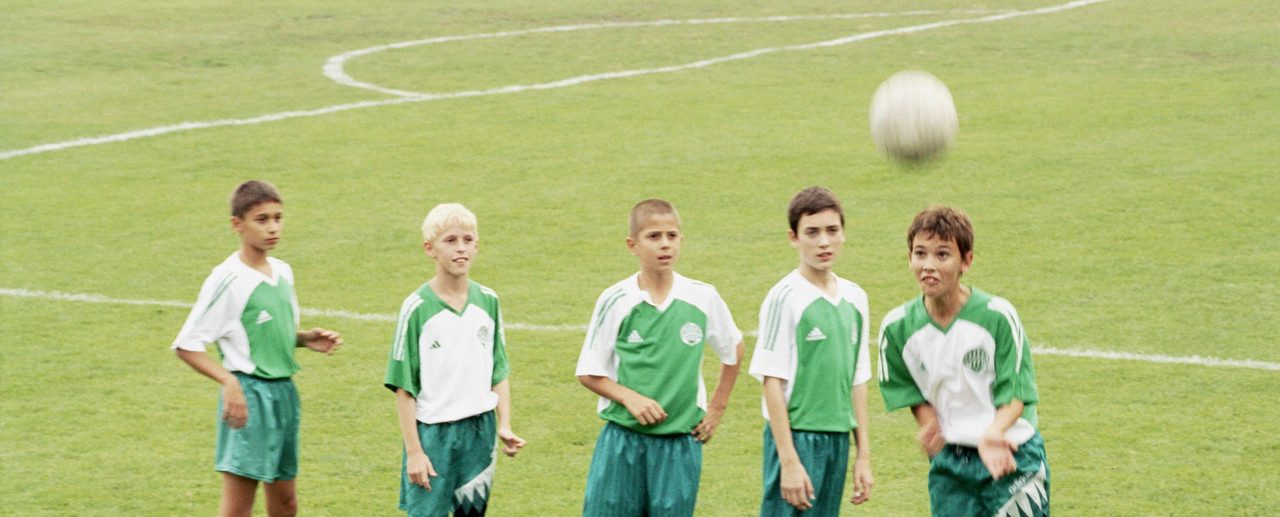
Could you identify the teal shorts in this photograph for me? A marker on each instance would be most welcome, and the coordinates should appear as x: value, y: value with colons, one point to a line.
x: 266, y: 448
x: 464, y: 455
x: 825, y: 457
x: 960, y: 485
x: 641, y: 474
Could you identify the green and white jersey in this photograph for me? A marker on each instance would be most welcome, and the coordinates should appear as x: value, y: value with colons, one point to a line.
x: 449, y: 360
x: 252, y: 318
x: 656, y: 350
x: 819, y: 345
x: 980, y: 362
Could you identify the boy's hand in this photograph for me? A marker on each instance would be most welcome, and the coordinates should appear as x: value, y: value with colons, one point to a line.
x: 930, y: 438
x: 797, y: 490
x: 646, y: 410
x: 511, y: 444
x: 862, y: 480
x: 320, y: 340
x: 234, y: 408
x: 996, y: 452
x: 707, y: 427
x: 419, y: 468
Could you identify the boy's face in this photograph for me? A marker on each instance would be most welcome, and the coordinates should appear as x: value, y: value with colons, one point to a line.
x: 453, y: 250
x: 657, y: 244
x: 261, y: 225
x: 818, y: 239
x: 937, y: 264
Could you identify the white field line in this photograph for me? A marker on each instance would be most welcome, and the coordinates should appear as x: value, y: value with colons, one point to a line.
x: 334, y: 69
x: 1194, y: 360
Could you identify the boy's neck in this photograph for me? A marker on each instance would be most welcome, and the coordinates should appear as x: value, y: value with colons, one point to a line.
x: 255, y: 259
x: 657, y: 284
x: 450, y: 288
x: 944, y: 309
x: 823, y: 279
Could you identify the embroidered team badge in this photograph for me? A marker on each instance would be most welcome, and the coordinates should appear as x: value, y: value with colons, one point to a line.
x: 484, y: 335
x: 976, y: 359
x: 691, y: 333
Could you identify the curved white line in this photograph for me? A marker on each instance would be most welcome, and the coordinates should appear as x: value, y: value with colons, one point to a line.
x: 403, y: 97
x: 1194, y: 360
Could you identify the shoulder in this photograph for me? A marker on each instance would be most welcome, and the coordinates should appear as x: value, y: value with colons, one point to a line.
x: 282, y: 267
x: 904, y: 315
x: 484, y: 291
x: 413, y: 301
x: 992, y: 306
x: 852, y: 292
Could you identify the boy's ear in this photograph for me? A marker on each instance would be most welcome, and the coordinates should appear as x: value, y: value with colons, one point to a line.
x: 631, y: 244
x: 967, y: 263
x: 429, y: 249
x: 792, y: 237
x: 235, y: 223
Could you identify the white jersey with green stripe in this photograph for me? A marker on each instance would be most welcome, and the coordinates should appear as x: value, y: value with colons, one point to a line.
x: 449, y: 360
x: 251, y: 317
x: 818, y: 345
x: 656, y: 350
x: 965, y: 371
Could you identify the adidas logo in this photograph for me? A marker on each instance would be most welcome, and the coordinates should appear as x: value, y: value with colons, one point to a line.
x: 263, y: 317
x: 634, y: 337
x: 815, y: 335
x: 435, y: 344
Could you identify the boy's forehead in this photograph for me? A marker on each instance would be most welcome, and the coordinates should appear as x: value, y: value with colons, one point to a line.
x: 931, y: 240
x: 456, y: 229
x: 823, y: 218
x: 265, y: 207
x: 659, y: 222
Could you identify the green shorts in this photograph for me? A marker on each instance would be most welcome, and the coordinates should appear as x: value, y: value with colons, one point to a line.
x: 464, y: 455
x: 642, y: 474
x: 960, y: 485
x: 825, y: 457
x: 266, y: 448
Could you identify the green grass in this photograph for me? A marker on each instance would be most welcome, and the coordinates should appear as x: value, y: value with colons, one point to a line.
x: 1118, y: 161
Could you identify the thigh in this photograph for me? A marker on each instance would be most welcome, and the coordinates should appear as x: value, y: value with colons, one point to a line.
x: 674, y: 468
x: 616, y: 480
x: 1025, y: 491
x: 474, y: 463
x: 282, y: 498
x: 237, y: 495
x: 956, y: 480
x: 826, y: 458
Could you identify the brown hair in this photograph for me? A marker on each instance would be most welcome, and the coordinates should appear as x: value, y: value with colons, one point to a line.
x: 649, y: 208
x: 945, y: 223
x: 250, y: 194
x: 811, y: 201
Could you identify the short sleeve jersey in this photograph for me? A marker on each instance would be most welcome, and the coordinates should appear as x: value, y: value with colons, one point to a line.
x: 252, y: 318
x: 818, y: 345
x: 449, y: 360
x: 980, y: 362
x: 656, y: 350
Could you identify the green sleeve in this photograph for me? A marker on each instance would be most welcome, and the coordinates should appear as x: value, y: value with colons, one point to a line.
x: 500, y: 368
x: 897, y: 386
x: 1015, y: 377
x: 402, y: 365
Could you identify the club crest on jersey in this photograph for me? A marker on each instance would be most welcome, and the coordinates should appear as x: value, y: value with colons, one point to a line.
x: 691, y: 333
x: 484, y: 335
x: 976, y: 359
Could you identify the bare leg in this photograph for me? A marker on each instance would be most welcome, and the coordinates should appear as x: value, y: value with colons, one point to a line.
x: 237, y: 495
x: 282, y: 498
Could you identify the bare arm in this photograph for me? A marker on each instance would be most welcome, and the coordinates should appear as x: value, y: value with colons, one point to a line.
x: 235, y: 410
x: 417, y: 465
x: 930, y: 434
x: 862, y: 478
x: 995, y: 450
x: 646, y: 410
x: 320, y: 340
x: 797, y: 488
x: 511, y: 443
x: 720, y: 399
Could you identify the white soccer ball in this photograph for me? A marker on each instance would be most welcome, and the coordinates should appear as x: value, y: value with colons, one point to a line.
x: 913, y: 118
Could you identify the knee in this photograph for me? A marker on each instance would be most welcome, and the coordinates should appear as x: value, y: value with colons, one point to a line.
x: 284, y: 507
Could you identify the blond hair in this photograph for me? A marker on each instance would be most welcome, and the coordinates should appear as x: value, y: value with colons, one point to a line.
x: 446, y: 215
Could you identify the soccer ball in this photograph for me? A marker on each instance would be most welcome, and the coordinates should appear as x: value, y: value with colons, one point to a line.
x: 913, y: 118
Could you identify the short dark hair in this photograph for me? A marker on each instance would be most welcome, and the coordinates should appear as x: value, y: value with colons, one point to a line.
x: 945, y: 223
x: 811, y: 201
x: 649, y: 208
x: 250, y: 194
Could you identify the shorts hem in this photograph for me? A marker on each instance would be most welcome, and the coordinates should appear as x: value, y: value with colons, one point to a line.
x: 255, y: 477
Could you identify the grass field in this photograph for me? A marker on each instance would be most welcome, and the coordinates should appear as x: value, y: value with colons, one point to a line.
x: 1118, y: 158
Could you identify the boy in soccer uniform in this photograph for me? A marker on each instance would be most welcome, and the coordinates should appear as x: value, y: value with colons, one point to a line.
x: 643, y: 355
x: 812, y: 355
x: 448, y: 369
x: 960, y: 359
x: 247, y: 307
